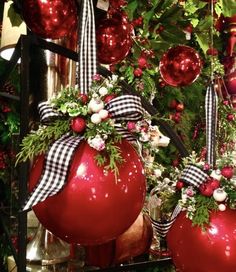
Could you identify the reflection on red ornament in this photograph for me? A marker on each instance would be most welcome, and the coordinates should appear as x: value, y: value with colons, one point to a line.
x: 197, y: 250
x: 51, y: 19
x: 114, y: 39
x: 93, y: 207
x: 180, y: 66
x: 230, y: 82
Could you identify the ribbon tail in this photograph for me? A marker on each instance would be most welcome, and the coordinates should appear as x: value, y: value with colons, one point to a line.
x: 55, y: 170
x: 211, y: 103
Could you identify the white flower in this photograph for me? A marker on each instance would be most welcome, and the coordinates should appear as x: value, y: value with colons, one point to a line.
x: 157, y: 172
x: 144, y: 137
x: 97, y: 143
x: 95, y: 105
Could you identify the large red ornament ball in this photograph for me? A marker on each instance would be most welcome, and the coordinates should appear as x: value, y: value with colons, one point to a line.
x: 51, y: 19
x: 196, y: 250
x: 93, y: 207
x: 114, y: 39
x: 180, y: 66
x: 230, y: 82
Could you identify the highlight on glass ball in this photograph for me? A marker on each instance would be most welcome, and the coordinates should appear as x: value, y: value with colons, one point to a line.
x: 180, y: 66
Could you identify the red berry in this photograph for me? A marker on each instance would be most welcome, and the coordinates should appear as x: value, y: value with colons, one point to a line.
x: 189, y: 28
x: 179, y: 184
x: 212, y: 51
x: 173, y: 103
x: 83, y: 98
x: 227, y: 172
x: 142, y: 62
x: 206, y: 190
x: 78, y: 124
x: 179, y: 107
x: 175, y: 162
x: 162, y: 84
x: 138, y: 72
x: 230, y: 117
x: 109, y: 97
x: 226, y: 102
x: 214, y: 183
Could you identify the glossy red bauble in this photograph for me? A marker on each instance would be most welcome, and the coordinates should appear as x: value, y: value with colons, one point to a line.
x: 51, y: 19
x: 180, y: 66
x: 78, y: 124
x: 230, y: 82
x: 93, y: 207
x: 195, y: 250
x: 113, y: 40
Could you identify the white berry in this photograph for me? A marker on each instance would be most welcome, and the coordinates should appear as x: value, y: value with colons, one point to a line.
x: 219, y: 195
x: 103, y: 91
x: 222, y: 207
x: 95, y: 118
x: 103, y: 114
x: 95, y: 105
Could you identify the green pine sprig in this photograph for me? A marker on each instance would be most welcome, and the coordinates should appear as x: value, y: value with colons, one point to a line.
x: 37, y: 142
x: 204, y: 205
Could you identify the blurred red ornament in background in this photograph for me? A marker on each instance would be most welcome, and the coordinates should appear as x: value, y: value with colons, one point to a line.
x: 133, y: 242
x: 197, y: 250
x: 114, y: 39
x: 180, y: 66
x: 93, y: 207
x: 52, y: 19
x: 230, y: 82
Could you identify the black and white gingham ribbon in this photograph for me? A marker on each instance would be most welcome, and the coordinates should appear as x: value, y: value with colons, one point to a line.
x: 87, y: 46
x: 211, y: 102
x: 46, y: 113
x: 193, y: 175
x: 161, y: 227
x: 125, y: 108
x: 55, y: 169
x: 59, y: 156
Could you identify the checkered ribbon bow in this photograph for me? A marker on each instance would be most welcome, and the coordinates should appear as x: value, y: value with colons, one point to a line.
x: 60, y: 153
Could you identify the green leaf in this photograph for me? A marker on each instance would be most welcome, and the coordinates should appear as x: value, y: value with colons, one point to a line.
x: 229, y: 8
x: 203, y: 41
x: 14, y: 17
x: 131, y: 8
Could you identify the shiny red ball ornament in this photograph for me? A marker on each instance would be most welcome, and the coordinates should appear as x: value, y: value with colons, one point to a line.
x: 78, y: 124
x: 114, y: 39
x: 93, y: 207
x: 180, y: 66
x: 230, y: 82
x: 196, y: 250
x: 51, y: 19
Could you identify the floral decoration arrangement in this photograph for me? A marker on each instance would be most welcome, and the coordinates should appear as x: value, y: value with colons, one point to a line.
x: 86, y: 115
x: 217, y: 192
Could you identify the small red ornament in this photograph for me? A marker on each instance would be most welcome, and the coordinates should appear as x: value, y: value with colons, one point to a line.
x: 51, y: 19
x: 206, y: 189
x: 230, y: 81
x: 231, y: 28
x: 138, y: 72
x: 215, y: 246
x: 117, y: 4
x: 93, y: 208
x: 83, y: 98
x: 114, y: 39
x: 179, y: 184
x: 180, y: 66
x: 214, y: 183
x: 227, y: 172
x: 78, y: 124
x: 109, y: 97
